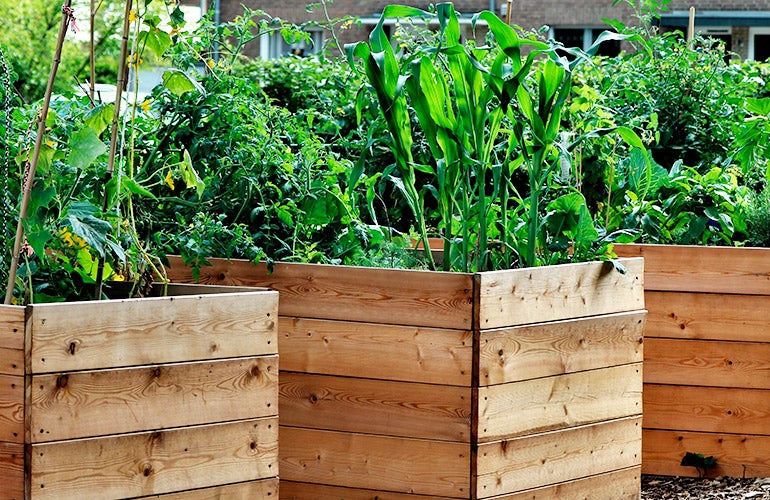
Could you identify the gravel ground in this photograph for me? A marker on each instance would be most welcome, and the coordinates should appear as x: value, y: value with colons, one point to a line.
x: 676, y: 488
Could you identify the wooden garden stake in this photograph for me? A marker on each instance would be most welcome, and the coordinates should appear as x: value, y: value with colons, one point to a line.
x: 67, y: 18
x: 114, y: 137
x: 691, y: 27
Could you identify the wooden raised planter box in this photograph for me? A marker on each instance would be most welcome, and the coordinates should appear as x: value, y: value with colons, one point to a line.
x: 138, y: 397
x: 512, y: 384
x: 706, y: 358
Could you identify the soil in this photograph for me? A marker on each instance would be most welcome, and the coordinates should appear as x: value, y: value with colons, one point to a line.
x: 676, y: 488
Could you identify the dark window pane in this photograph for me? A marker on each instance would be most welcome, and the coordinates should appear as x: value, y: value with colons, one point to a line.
x: 570, y: 37
x: 609, y: 48
x: 761, y: 47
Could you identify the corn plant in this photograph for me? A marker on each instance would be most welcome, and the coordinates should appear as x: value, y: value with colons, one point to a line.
x: 485, y: 112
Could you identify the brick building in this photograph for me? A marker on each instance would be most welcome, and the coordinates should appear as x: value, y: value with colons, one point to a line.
x: 744, y: 25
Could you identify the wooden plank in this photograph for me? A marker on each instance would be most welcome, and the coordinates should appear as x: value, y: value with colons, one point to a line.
x: 12, y: 471
x: 376, y: 407
x: 262, y: 489
x: 707, y: 363
x: 12, y: 409
x: 538, y: 460
x: 97, y: 403
x: 560, y: 401
x: 108, y: 334
x: 367, y: 350
x: 706, y: 409
x: 703, y: 269
x: 152, y: 463
x: 12, y: 340
x: 552, y: 293
x: 738, y: 455
x: 624, y: 484
x: 418, y: 298
x: 399, y: 465
x: 708, y: 316
x: 568, y: 346
x: 291, y: 490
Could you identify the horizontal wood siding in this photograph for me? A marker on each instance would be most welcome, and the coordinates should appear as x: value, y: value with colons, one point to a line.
x: 391, y: 379
x: 96, y: 403
x: 738, y: 455
x: 394, y: 464
x: 623, y: 484
x: 263, y: 489
x: 12, y: 471
x: 741, y: 365
x: 418, y: 298
x: 559, y: 402
x: 683, y: 268
x: 706, y: 357
x: 168, y: 397
x: 382, y: 407
x: 155, y: 462
x: 12, y: 409
x: 84, y: 335
x: 528, y: 462
x: 567, y: 346
x: 378, y: 351
x: 291, y: 490
x: 11, y: 340
x: 540, y: 294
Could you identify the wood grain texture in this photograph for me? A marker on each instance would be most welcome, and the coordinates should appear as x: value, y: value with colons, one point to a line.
x: 738, y: 455
x: 263, y: 489
x: 529, y: 462
x: 542, y: 350
x: 97, y: 403
x: 12, y: 409
x: 12, y: 340
x: 391, y: 296
x: 706, y: 409
x: 552, y: 293
x: 12, y: 471
x: 623, y: 484
x: 557, y: 402
x: 707, y: 363
x: 155, y: 462
x: 291, y: 490
x: 703, y: 269
x: 708, y: 316
x: 108, y: 334
x: 376, y: 407
x: 399, y: 465
x: 368, y: 350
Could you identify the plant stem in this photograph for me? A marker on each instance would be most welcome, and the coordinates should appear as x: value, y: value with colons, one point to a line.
x: 122, y: 67
x: 67, y: 17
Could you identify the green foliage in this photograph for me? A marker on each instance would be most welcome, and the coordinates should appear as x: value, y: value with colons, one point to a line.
x: 697, y: 460
x: 758, y: 218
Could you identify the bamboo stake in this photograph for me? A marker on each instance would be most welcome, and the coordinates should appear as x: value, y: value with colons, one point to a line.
x: 691, y: 27
x: 122, y: 70
x: 92, y: 56
x: 67, y: 17
x: 508, y: 12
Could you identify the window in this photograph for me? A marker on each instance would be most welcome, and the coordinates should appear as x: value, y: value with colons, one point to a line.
x: 583, y: 38
x: 273, y: 45
x: 759, y: 43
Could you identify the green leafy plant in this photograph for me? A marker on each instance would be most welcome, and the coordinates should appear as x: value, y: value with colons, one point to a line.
x: 702, y: 464
x: 485, y: 112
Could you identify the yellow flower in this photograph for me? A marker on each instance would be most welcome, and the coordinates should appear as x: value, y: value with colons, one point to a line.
x: 145, y: 106
x: 70, y: 239
x: 173, y: 32
x: 169, y: 180
x: 210, y: 63
x: 132, y: 16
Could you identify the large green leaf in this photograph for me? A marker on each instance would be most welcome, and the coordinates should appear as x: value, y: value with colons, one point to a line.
x: 190, y: 176
x: 81, y: 216
x: 85, y: 147
x: 155, y: 39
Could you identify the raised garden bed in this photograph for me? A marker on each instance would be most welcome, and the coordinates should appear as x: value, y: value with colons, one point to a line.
x: 706, y: 358
x: 137, y: 397
x: 449, y: 385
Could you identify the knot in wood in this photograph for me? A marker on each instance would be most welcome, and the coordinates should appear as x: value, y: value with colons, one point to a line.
x: 61, y: 381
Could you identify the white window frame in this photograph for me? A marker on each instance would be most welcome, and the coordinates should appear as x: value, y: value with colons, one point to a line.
x: 756, y: 30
